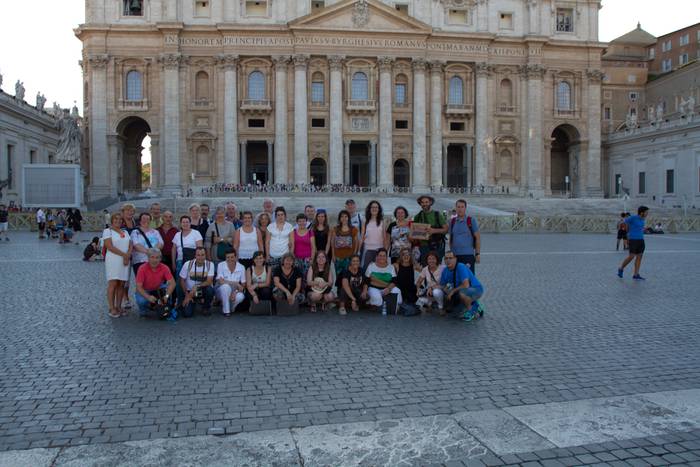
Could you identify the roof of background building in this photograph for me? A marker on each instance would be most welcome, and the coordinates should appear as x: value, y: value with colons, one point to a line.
x: 679, y: 30
x: 637, y: 36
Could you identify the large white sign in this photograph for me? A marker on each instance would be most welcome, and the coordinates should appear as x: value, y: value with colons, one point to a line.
x: 52, y: 186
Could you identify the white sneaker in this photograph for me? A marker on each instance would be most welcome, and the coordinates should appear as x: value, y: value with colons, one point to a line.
x: 127, y: 304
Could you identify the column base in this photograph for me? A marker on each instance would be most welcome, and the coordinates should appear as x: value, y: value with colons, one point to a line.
x: 420, y: 189
x: 385, y: 188
x: 593, y: 193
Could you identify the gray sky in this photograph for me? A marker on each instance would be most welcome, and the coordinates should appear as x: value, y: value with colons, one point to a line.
x: 39, y: 47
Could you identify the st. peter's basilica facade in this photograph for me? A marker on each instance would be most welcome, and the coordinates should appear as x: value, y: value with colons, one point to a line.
x: 407, y: 93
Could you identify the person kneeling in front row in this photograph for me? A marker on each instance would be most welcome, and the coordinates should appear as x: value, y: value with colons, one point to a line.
x: 287, y: 280
x: 230, y: 280
x: 196, y: 284
x: 353, y: 286
x: 462, y: 289
x: 154, y: 285
x: 382, y: 280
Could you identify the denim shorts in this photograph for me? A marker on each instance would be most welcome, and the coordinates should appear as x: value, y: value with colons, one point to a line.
x: 474, y: 293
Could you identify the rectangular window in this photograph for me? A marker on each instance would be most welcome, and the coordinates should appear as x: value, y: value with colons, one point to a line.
x: 256, y: 8
x: 631, y: 79
x: 666, y: 65
x: 52, y: 158
x: 10, y: 155
x: 506, y: 21
x: 201, y: 8
x: 318, y: 123
x: 256, y: 123
x: 401, y: 8
x: 652, y: 53
x: 683, y: 59
x: 456, y: 126
x: 642, y: 183
x: 607, y: 113
x: 400, y: 93
x: 685, y: 40
x: 401, y: 124
x: 565, y: 20
x: 317, y: 92
x: 317, y: 5
x: 669, y: 45
x: 133, y: 7
x: 618, y: 183
x: 669, y: 181
x: 32, y: 157
x: 634, y: 96
x: 458, y: 17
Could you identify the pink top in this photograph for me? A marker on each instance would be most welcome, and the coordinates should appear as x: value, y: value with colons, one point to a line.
x: 302, y: 244
x: 374, y: 235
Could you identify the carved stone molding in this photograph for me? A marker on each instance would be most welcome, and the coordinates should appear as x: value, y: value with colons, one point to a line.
x: 595, y: 76
x: 336, y: 62
x: 227, y: 61
x: 461, y: 3
x: 534, y: 71
x: 360, y: 14
x: 301, y: 61
x: 385, y: 63
x: 171, y: 60
x: 281, y: 61
x: 98, y: 60
x: 483, y: 69
x: 531, y: 3
x: 436, y: 66
x: 419, y: 64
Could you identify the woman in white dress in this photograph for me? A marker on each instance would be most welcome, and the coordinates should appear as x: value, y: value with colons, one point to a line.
x: 118, y: 245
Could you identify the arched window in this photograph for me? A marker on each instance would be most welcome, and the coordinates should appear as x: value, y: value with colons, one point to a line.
x: 317, y: 170
x: 506, y: 163
x: 256, y: 86
x: 202, y: 86
x: 456, y: 96
x: 360, y: 87
x: 318, y: 89
x: 134, y: 86
x: 506, y: 94
x: 401, y: 89
x: 402, y: 173
x: 564, y: 96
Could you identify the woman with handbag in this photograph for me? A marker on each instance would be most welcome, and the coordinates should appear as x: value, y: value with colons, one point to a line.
x: 185, y: 242
x: 219, y: 238
x: 247, y: 240
x: 144, y: 238
x: 320, y: 280
x: 117, y: 244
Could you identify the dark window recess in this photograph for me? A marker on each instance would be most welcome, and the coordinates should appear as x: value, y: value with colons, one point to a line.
x: 402, y: 124
x: 256, y: 123
x: 318, y: 123
x: 456, y: 126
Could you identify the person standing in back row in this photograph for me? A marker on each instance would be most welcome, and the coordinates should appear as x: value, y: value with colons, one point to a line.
x: 465, y: 239
x: 438, y: 228
x: 635, y: 236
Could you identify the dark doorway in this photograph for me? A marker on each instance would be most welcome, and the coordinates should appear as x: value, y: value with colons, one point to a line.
x: 457, y: 167
x: 318, y: 172
x: 402, y: 173
x: 563, y: 159
x: 359, y: 164
x: 256, y: 162
x: 133, y: 176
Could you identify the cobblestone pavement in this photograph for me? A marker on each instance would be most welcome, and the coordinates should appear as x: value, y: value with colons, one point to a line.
x: 559, y: 326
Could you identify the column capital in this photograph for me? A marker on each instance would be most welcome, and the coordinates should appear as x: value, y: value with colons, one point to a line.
x: 171, y: 60
x: 419, y: 64
x: 436, y: 66
x: 98, y: 61
x: 113, y: 139
x: 385, y: 63
x: 483, y: 69
x: 336, y: 62
x: 595, y: 75
x: 531, y: 3
x: 281, y: 61
x: 300, y: 60
x: 227, y: 61
x: 533, y: 71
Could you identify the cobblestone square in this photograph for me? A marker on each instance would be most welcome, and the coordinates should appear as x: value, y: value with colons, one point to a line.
x: 559, y: 327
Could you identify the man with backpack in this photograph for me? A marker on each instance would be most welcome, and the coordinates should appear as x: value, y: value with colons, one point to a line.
x: 438, y: 228
x: 465, y: 239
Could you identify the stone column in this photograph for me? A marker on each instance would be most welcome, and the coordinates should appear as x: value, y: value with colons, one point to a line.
x: 524, y: 127
x: 171, y: 117
x: 244, y: 163
x: 386, y: 146
x: 346, y: 162
x: 535, y: 114
x: 281, y: 133
x: 445, y: 146
x: 482, y: 120
x: 593, y: 185
x: 100, y: 186
x: 301, y: 124
x: 436, y: 124
x: 270, y: 161
x: 231, y: 156
x: 114, y: 146
x: 420, y: 183
x: 336, y: 115
x: 372, y: 163
x: 156, y: 162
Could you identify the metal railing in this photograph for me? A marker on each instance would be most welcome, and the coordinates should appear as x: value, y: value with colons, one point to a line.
x: 458, y: 109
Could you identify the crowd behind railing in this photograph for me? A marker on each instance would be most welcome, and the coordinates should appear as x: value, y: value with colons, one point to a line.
x: 227, y: 188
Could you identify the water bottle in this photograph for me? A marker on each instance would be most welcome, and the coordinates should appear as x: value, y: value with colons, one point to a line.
x: 383, y: 308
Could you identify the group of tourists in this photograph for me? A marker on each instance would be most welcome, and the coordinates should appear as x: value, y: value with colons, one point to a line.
x: 61, y: 224
x: 267, y: 261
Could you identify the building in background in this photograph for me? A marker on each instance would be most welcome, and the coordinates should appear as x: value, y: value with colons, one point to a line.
x: 411, y: 93
x: 674, y: 50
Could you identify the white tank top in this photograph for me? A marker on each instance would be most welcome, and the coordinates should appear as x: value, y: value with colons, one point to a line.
x: 248, y: 244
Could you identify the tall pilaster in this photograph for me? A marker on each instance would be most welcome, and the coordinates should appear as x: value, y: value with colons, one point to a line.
x: 171, y: 13
x: 156, y: 161
x: 346, y: 162
x: 229, y: 64
x: 386, y: 179
x: 171, y: 118
x: 270, y: 161
x: 420, y: 183
x: 99, y: 162
x: 482, y: 15
x: 244, y: 162
x: 593, y: 183
x: 524, y: 163
x: 436, y: 124
x: 281, y: 132
x: 301, y: 124
x: 336, y: 114
x: 372, y: 163
x: 535, y: 146
x: 483, y: 71
x: 533, y: 17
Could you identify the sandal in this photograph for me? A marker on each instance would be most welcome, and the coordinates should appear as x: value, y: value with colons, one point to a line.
x: 114, y: 314
x: 313, y: 308
x: 123, y: 312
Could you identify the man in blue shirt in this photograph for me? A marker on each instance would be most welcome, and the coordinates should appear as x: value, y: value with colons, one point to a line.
x: 635, y: 236
x: 462, y: 288
x: 465, y: 239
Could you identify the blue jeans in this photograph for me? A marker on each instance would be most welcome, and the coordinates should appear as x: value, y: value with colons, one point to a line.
x: 188, y: 310
x: 142, y: 303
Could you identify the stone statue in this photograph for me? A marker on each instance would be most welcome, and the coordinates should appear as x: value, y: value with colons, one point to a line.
x: 57, y: 110
x: 40, y: 101
x: 691, y: 105
x: 652, y: 115
x: 660, y: 113
x: 681, y: 107
x: 19, y: 90
x: 633, y: 120
x: 70, y: 140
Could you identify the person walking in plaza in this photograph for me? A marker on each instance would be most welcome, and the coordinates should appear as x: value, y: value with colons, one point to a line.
x: 185, y: 243
x: 154, y: 284
x: 198, y: 223
x: 320, y: 279
x: 344, y: 242
x: 397, y: 234
x: 167, y: 232
x: 219, y: 237
x: 635, y: 234
x: 4, y: 222
x: 465, y: 239
x: 438, y: 227
x: 196, y: 284
x: 428, y: 284
x: 230, y: 282
x: 144, y: 238
x: 353, y: 290
x: 75, y: 222
x: 321, y: 231
x: 278, y: 237
x: 302, y: 244
x: 461, y: 288
x: 41, y: 222
x: 622, y: 233
x: 372, y: 237
x: 287, y: 281
x: 258, y: 279
x: 117, y: 242
x: 381, y: 277
x: 247, y: 240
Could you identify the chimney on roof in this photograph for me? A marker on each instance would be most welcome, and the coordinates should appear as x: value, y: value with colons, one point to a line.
x: 639, y: 25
